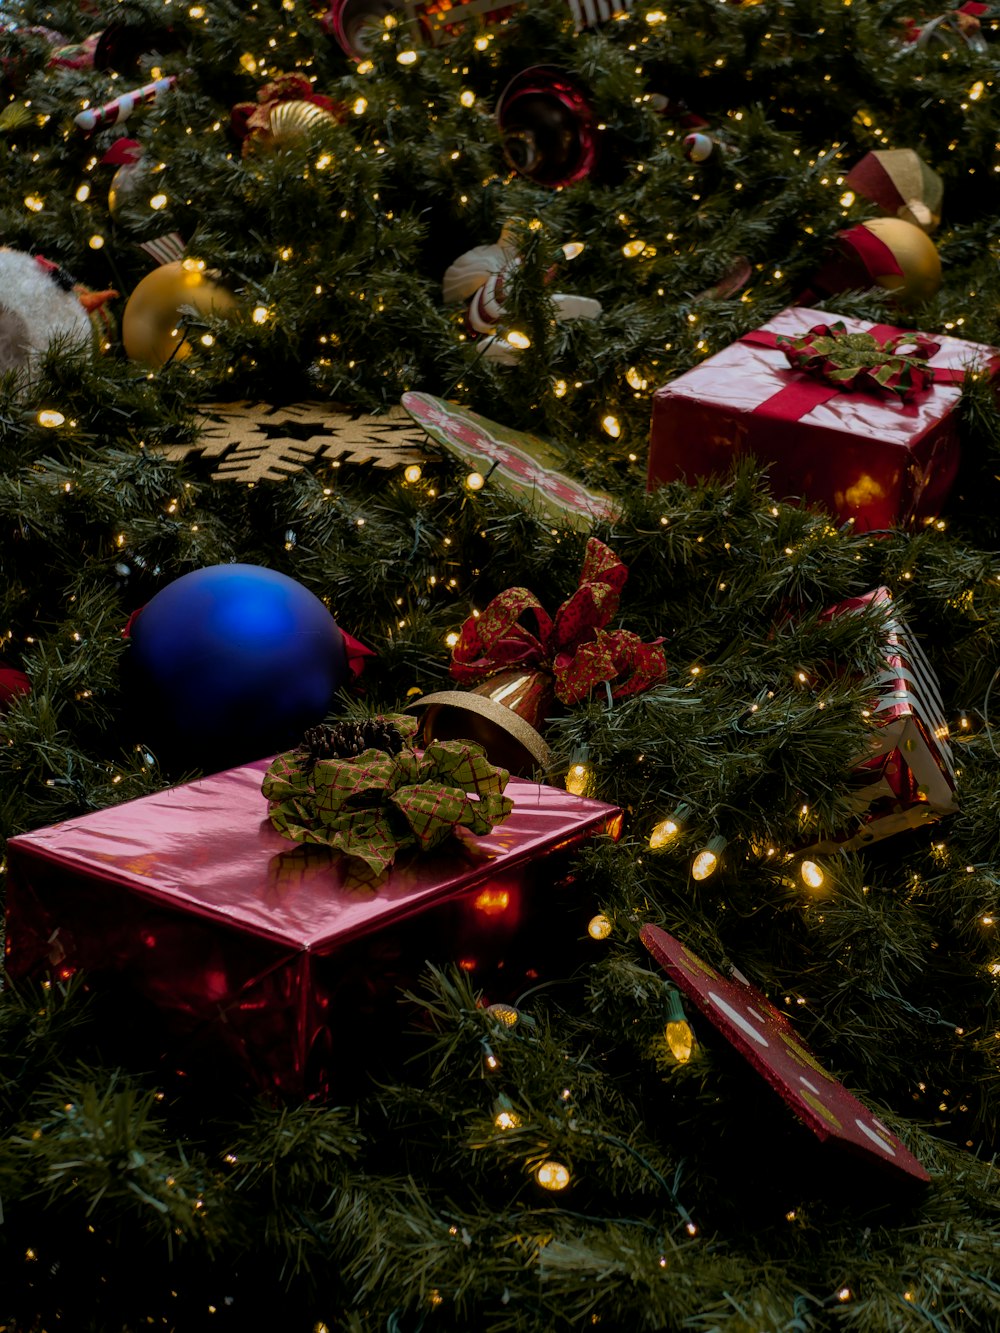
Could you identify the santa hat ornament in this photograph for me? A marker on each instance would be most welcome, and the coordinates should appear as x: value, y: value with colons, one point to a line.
x: 39, y: 304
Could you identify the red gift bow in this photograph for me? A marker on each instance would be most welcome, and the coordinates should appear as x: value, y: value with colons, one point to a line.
x: 799, y: 396
x: 861, y: 362
x: 574, y: 647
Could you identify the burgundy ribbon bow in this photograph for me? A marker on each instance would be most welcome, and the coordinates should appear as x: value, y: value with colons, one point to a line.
x: 574, y: 647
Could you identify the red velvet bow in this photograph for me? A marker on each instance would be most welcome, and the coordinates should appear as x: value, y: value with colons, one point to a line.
x: 575, y: 647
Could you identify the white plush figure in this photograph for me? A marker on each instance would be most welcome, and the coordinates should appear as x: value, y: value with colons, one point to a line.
x: 479, y: 276
x: 37, y: 304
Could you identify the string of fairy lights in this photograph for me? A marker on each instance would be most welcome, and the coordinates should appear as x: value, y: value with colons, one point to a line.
x: 635, y: 247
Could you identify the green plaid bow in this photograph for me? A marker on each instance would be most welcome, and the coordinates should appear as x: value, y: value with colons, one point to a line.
x: 373, y: 805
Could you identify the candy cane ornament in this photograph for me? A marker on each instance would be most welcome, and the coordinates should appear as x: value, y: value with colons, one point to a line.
x: 113, y: 113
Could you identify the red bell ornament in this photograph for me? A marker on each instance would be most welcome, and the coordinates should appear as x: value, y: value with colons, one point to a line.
x: 548, y: 126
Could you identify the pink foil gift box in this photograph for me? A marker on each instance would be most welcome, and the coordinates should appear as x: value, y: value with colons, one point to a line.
x: 864, y: 456
x: 908, y: 778
x: 252, y: 955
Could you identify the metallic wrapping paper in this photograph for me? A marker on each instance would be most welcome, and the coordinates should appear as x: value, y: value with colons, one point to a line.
x: 252, y: 955
x: 908, y: 779
x: 877, y: 461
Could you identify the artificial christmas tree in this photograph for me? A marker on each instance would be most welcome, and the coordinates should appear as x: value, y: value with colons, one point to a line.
x: 549, y: 1163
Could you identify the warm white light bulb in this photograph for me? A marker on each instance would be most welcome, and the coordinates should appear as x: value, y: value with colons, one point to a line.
x: 552, y: 1175
x: 663, y: 832
x: 599, y: 927
x: 680, y: 1039
x: 704, y: 864
x: 812, y: 874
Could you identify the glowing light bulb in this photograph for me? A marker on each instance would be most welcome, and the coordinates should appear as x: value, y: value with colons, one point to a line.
x: 83, y: 194
x: 552, y: 1175
x: 50, y: 418
x: 678, y: 1034
x: 680, y: 1039
x: 406, y: 58
x: 260, y: 314
x: 578, y: 779
x: 96, y: 241
x: 704, y: 865
x: 34, y: 203
x: 505, y: 1013
x: 467, y: 97
x: 519, y: 340
x: 632, y: 248
x: 559, y: 388
x: 847, y: 199
x: 451, y: 639
x: 413, y: 472
x: 573, y: 248
x: 599, y: 927
x: 506, y: 1120
x: 475, y: 481
x: 667, y: 829
x: 158, y: 201
x: 707, y: 860
x: 812, y: 875
x: 360, y: 106
x: 611, y: 426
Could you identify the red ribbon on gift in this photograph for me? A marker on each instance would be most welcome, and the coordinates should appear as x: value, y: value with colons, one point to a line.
x: 800, y: 396
x: 575, y: 647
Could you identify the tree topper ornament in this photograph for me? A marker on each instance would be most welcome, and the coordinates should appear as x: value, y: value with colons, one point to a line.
x: 481, y: 275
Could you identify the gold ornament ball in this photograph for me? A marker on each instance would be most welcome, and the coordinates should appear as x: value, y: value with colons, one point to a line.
x: 154, y: 313
x: 915, y: 253
x: 288, y: 124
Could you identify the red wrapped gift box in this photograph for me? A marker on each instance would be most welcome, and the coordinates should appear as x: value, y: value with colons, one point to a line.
x: 243, y: 949
x: 908, y: 778
x: 864, y: 456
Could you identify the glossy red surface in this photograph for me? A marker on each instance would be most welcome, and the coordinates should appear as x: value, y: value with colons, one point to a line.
x: 878, y: 461
x: 245, y: 944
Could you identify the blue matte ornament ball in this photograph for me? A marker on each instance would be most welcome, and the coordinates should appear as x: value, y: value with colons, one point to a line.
x: 232, y: 663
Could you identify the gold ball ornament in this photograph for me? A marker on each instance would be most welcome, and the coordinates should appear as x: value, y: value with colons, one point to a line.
x: 287, y: 124
x: 152, y: 325
x: 915, y: 253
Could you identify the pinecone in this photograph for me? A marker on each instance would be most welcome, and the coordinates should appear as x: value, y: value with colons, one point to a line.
x: 343, y: 740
